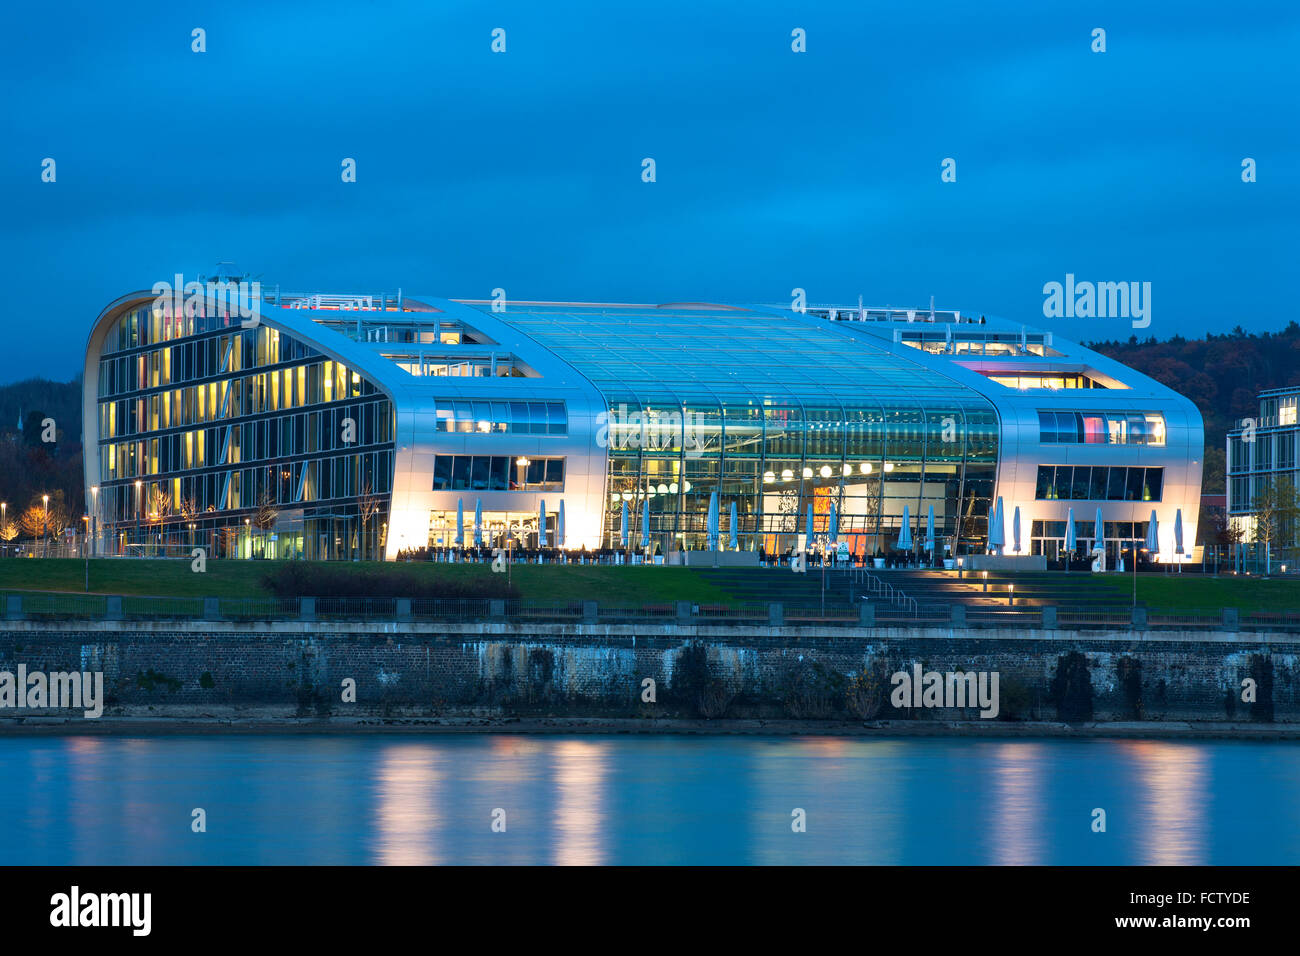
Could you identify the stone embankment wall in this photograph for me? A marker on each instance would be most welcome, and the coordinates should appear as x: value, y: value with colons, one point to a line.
x: 509, y: 669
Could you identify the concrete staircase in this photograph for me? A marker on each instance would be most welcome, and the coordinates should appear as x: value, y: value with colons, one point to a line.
x: 781, y: 586
x: 934, y: 592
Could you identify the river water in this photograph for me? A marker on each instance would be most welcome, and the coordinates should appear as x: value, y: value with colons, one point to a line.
x: 645, y: 799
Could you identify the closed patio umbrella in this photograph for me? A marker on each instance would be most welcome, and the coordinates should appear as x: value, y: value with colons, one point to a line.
x: 645, y: 523
x: 735, y: 538
x: 1178, y: 538
x: 559, y: 527
x: 929, y: 531
x: 808, y: 528
x: 905, y: 532
x: 1153, y: 533
x: 541, y: 523
x: 833, y: 526
x: 460, y: 521
x: 478, y: 523
x: 1070, y: 542
x: 1015, y: 529
x: 997, y: 529
x: 712, y: 527
x: 623, y: 533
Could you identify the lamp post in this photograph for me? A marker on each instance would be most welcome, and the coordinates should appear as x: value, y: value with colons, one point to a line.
x: 4, y: 519
x: 85, y: 550
x: 94, y: 517
x: 45, y: 524
x: 1135, y: 573
x: 139, y: 506
x: 821, y: 553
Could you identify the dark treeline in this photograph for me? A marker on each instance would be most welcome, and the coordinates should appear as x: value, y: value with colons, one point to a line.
x: 1222, y: 374
x: 31, y: 466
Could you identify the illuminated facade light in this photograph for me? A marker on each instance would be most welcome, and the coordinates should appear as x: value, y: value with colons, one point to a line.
x: 331, y: 407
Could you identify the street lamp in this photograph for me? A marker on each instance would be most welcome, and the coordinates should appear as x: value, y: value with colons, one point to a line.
x: 94, y: 517
x: 1135, y: 573
x: 139, y: 506
x: 86, y: 550
x: 4, y: 518
x: 45, y: 524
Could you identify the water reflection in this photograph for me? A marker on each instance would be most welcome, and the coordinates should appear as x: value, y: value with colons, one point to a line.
x: 666, y: 800
x: 1172, y: 806
x: 580, y: 770
x: 1016, y: 810
x: 407, y: 805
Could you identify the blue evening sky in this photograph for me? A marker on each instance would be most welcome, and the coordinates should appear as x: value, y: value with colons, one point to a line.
x: 775, y: 169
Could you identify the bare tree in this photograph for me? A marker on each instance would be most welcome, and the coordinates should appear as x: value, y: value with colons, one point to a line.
x: 264, y: 517
x: 1277, y: 507
x: 42, y: 519
x: 367, y: 507
x: 229, y: 539
x: 160, y: 506
x: 189, y: 512
x: 34, y: 521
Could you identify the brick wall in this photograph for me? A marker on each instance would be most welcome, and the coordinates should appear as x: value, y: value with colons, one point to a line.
x: 598, y: 670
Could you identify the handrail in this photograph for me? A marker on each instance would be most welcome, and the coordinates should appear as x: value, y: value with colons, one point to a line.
x: 894, y: 596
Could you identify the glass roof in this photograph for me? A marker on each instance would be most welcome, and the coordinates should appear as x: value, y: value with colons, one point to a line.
x: 684, y: 354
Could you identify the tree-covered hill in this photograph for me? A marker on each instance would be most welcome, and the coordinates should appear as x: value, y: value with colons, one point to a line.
x: 1222, y: 374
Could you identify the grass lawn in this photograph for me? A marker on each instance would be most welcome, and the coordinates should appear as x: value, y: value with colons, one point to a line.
x: 173, y: 578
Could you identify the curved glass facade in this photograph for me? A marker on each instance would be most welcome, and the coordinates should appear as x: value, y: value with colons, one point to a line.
x: 776, y: 412
x: 245, y: 441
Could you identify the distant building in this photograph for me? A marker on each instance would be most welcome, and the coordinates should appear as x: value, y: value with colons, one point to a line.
x: 1259, y: 450
x: 326, y: 404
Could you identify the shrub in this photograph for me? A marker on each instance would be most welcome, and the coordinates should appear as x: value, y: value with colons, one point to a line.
x: 151, y: 680
x: 1261, y: 669
x: 1015, y: 699
x: 1130, y: 683
x: 865, y: 693
x: 325, y: 579
x: 1072, y: 688
x: 695, y: 685
x: 814, y: 692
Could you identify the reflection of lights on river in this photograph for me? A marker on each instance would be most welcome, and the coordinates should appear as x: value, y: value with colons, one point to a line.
x: 580, y: 768
x: 1017, y: 808
x: 1171, y: 828
x: 407, y: 784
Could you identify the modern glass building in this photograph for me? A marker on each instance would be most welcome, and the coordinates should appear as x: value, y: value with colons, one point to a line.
x: 1260, y: 452
x: 334, y: 426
